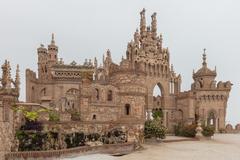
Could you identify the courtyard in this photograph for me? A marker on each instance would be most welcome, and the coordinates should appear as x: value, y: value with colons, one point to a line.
x: 221, y: 147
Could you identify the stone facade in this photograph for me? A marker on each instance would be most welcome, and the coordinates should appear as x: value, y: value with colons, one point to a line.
x: 124, y: 92
x: 111, y: 95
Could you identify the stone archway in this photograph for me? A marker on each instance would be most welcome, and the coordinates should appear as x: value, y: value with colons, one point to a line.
x: 212, y: 119
x: 155, y: 98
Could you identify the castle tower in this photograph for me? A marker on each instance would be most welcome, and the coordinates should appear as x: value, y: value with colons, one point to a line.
x: 52, y: 51
x: 42, y: 62
x: 211, y: 97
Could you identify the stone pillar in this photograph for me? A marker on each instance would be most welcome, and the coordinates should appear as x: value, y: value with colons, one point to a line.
x: 165, y: 118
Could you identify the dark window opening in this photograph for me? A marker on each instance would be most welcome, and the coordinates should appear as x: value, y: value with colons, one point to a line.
x: 94, y: 117
x: 73, y: 106
x: 97, y: 94
x: 109, y: 96
x: 127, y: 109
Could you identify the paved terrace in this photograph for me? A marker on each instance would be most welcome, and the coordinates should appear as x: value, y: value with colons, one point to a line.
x: 221, y: 147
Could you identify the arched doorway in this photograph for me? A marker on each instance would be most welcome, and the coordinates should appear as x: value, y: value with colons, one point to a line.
x: 157, y: 100
x: 211, y: 120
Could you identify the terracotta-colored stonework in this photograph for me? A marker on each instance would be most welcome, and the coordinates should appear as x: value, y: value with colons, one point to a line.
x: 118, y: 94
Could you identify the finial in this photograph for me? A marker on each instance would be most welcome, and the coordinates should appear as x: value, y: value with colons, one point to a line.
x: 108, y: 53
x: 143, y: 11
x: 204, y: 58
x: 53, y: 41
x: 41, y: 45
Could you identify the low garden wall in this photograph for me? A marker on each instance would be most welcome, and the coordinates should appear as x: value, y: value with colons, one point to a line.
x: 56, y: 154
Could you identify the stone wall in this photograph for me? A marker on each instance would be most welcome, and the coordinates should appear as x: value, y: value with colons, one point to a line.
x: 78, y: 151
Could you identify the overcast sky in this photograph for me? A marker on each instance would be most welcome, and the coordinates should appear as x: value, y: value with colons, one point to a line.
x: 86, y: 29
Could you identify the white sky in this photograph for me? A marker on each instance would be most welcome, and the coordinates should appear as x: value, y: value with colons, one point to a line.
x: 85, y: 29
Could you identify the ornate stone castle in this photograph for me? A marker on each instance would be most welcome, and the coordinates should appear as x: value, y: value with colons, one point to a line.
x: 110, y: 95
x: 124, y: 92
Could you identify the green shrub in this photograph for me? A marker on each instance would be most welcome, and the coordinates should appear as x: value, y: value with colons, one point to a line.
x: 208, y: 131
x: 189, y: 130
x: 222, y: 130
x: 54, y: 117
x: 157, y: 114
x: 185, y: 131
x: 178, y: 130
x: 154, y: 128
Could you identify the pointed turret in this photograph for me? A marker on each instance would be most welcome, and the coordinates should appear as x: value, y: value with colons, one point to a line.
x: 6, y: 75
x: 154, y: 25
x: 142, y: 23
x: 17, y: 79
x: 53, y: 50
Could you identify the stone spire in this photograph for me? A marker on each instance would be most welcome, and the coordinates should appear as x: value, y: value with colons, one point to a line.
x: 53, y: 40
x: 6, y: 75
x: 109, y: 55
x: 136, y: 37
x: 53, y: 51
x: 17, y: 79
x: 204, y: 58
x: 154, y: 25
x: 142, y: 23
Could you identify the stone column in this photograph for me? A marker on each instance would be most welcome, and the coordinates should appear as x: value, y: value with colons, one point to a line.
x: 165, y: 118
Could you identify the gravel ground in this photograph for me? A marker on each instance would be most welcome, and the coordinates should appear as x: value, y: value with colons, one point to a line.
x: 221, y: 147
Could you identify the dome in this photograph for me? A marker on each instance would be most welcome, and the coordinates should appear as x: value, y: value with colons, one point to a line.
x: 205, y: 71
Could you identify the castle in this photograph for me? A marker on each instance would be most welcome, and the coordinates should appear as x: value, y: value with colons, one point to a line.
x: 124, y: 92
x: 121, y: 95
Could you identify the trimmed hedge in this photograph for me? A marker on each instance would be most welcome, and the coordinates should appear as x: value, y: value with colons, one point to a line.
x: 208, y: 131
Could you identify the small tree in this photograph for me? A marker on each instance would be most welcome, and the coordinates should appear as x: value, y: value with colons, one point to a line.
x: 154, y: 128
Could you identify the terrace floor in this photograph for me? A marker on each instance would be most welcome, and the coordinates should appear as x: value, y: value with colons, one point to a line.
x: 221, y: 147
